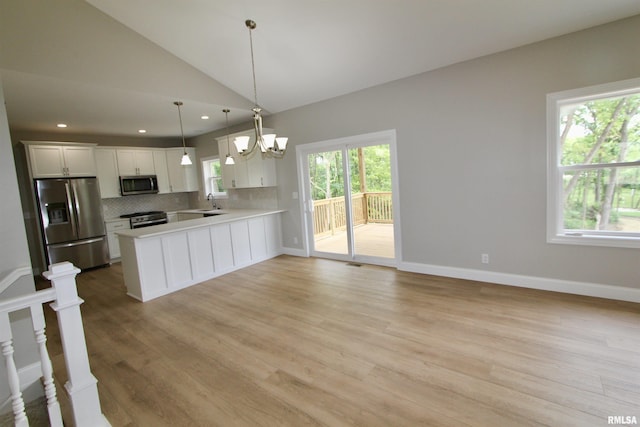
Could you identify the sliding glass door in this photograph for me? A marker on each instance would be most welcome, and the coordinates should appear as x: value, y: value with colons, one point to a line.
x: 349, y: 200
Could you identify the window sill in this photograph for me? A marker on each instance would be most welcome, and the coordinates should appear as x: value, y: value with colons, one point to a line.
x: 594, y: 240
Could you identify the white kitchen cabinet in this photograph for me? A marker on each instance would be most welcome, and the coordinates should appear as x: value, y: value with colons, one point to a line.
x: 135, y: 162
x: 252, y: 172
x: 160, y: 164
x: 182, y: 178
x: 107, y: 172
x: 112, y: 239
x: 55, y: 160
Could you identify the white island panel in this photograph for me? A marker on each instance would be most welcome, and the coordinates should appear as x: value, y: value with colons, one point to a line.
x: 165, y: 258
x: 177, y: 260
x: 222, y: 248
x: 240, y: 243
x: 201, y: 253
x: 258, y: 240
x: 152, y: 280
x: 272, y: 234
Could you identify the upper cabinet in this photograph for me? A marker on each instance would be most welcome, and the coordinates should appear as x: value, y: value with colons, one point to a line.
x: 55, y: 160
x: 58, y: 159
x: 255, y: 171
x: 107, y: 167
x: 162, y: 173
x: 135, y: 162
x: 181, y: 178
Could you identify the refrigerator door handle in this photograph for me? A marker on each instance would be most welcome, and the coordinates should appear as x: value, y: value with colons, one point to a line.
x: 79, y: 242
x: 71, y: 208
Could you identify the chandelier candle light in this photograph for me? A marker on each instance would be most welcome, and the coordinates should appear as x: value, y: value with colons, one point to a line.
x: 229, y: 159
x: 186, y: 161
x: 270, y: 145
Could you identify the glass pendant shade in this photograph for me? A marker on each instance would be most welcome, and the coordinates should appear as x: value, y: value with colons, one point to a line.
x: 229, y: 160
x: 242, y: 143
x: 186, y: 160
x: 282, y: 143
x: 269, y: 140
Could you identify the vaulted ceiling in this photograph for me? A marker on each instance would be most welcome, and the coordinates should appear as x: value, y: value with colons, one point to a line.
x: 116, y: 66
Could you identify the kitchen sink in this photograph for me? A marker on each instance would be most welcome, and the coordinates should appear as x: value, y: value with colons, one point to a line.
x: 212, y: 214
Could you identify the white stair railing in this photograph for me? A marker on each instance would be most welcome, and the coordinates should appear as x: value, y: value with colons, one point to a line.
x: 82, y: 385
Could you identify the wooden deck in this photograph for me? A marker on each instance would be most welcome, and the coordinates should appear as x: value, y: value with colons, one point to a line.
x: 372, y: 239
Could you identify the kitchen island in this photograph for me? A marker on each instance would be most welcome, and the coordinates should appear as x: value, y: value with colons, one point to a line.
x: 165, y: 258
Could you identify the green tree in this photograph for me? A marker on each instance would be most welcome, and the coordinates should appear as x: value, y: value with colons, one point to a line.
x: 608, y: 131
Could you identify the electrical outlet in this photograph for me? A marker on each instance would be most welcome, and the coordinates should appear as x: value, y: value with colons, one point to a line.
x: 485, y: 258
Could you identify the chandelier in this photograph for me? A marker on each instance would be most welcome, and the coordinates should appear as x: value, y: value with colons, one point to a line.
x: 186, y: 160
x: 270, y: 145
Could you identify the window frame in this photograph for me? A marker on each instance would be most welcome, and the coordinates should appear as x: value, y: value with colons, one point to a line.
x: 556, y: 233
x: 207, y: 180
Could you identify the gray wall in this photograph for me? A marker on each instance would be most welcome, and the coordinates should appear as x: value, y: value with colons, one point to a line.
x: 471, y: 141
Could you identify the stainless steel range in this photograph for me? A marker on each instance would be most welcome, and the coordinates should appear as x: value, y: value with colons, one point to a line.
x: 146, y: 219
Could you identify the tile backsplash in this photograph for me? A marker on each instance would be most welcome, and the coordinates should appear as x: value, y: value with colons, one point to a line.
x: 242, y: 198
x: 253, y: 198
x: 115, y: 207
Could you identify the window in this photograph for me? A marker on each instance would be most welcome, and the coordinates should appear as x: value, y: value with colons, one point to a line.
x: 212, y: 175
x: 594, y: 165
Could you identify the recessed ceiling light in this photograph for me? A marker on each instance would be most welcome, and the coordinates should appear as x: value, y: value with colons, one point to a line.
x: 61, y: 125
x: 142, y: 131
x: 204, y: 117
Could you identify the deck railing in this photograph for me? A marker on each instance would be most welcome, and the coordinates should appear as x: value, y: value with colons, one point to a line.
x: 81, y: 386
x: 329, y: 215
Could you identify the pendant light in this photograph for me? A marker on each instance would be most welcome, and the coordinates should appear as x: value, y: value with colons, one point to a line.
x: 186, y: 160
x: 229, y: 159
x: 270, y: 145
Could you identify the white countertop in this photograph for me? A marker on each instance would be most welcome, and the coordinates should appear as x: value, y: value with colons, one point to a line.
x: 227, y: 215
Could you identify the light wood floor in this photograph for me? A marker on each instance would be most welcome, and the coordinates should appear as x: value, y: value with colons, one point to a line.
x: 297, y: 341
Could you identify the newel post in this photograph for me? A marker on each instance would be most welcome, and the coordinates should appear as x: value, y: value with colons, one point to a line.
x: 82, y: 385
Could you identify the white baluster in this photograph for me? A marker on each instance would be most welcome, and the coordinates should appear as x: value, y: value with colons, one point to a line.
x: 53, y: 407
x: 19, y: 416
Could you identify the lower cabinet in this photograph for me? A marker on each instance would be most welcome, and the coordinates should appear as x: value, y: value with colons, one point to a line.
x: 112, y: 239
x: 158, y: 265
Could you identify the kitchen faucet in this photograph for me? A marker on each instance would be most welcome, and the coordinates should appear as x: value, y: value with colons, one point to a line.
x: 213, y: 201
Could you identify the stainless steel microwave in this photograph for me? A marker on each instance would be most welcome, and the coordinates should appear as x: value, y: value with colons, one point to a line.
x: 139, y: 184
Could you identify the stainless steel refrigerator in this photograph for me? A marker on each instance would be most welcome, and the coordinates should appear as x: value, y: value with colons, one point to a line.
x: 72, y: 221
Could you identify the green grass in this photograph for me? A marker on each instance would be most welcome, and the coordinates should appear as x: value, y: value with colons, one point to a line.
x: 632, y: 214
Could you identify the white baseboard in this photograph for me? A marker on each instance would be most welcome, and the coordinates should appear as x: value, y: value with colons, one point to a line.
x: 533, y: 282
x: 294, y: 252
